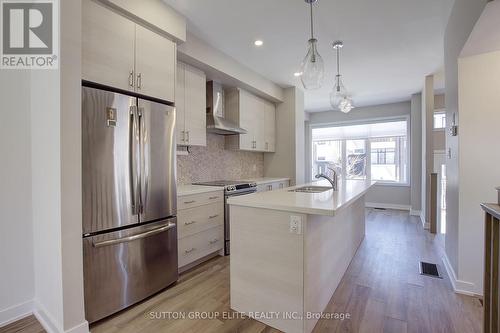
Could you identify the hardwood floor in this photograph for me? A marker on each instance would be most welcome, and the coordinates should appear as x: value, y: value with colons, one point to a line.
x: 27, y: 325
x: 382, y: 291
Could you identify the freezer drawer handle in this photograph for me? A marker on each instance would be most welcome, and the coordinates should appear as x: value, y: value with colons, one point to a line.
x: 135, y: 237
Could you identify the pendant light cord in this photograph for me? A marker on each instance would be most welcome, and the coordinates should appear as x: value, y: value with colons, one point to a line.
x: 338, y: 69
x: 312, y: 25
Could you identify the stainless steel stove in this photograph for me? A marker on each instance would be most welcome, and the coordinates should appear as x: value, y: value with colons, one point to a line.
x: 232, y: 188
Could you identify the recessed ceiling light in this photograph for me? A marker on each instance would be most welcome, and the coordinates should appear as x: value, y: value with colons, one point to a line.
x: 258, y: 42
x: 297, y: 74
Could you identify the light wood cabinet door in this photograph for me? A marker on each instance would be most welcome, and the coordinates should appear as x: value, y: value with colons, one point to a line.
x: 195, y: 106
x: 260, y: 124
x: 248, y: 121
x: 180, y: 102
x: 270, y: 128
x: 155, y: 64
x: 107, y: 47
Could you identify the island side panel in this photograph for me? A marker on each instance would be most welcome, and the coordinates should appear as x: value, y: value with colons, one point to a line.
x: 266, y: 265
x: 330, y: 244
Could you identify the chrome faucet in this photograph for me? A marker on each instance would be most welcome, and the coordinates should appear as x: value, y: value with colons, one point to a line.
x: 333, y: 181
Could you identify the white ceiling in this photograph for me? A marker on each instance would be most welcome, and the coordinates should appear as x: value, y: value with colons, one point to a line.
x: 390, y: 45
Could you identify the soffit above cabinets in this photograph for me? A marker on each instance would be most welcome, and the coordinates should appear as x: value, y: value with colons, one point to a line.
x: 153, y: 14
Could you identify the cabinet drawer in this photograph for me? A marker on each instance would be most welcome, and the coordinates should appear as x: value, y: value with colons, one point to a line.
x: 280, y: 185
x: 197, y: 246
x: 197, y: 219
x: 264, y: 187
x: 195, y: 200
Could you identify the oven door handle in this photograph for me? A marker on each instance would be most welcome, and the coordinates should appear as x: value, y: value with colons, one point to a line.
x: 148, y: 233
x: 239, y: 194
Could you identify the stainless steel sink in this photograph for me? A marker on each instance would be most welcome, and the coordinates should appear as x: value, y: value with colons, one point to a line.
x: 311, y: 189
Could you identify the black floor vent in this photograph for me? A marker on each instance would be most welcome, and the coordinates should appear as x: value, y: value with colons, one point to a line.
x: 429, y: 269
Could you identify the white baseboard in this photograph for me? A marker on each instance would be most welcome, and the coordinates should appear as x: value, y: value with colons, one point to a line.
x: 414, y: 212
x: 32, y: 307
x: 16, y: 312
x: 425, y: 225
x: 387, y: 206
x: 46, y: 319
x: 82, y: 328
x: 459, y: 286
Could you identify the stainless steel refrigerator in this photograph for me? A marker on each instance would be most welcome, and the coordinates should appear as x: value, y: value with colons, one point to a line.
x: 129, y: 200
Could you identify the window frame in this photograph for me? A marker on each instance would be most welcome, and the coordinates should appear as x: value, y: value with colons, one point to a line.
x: 439, y: 112
x: 405, y: 118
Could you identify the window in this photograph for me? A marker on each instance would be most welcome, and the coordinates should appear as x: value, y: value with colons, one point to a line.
x: 376, y: 151
x: 440, y: 120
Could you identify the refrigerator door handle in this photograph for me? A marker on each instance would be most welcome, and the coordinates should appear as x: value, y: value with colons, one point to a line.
x: 144, y: 146
x: 134, y: 152
x: 148, y: 233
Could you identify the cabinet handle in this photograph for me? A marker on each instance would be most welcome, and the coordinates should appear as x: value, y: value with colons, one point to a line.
x: 139, y: 81
x: 281, y: 185
x: 131, y: 79
x: 213, y: 198
x: 189, y: 202
x: 267, y: 146
x: 269, y: 187
x: 189, y: 223
x: 214, y: 241
x: 183, y: 136
x: 187, y: 136
x: 213, y: 216
x: 189, y: 251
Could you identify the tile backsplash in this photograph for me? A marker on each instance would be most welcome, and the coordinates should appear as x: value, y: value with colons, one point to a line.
x: 213, y: 162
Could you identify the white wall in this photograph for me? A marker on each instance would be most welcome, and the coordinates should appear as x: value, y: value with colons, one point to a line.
x: 41, y: 245
x: 462, y: 19
x: 479, y: 91
x: 416, y: 155
x: 427, y: 145
x: 385, y: 195
x: 221, y: 67
x: 71, y: 164
x: 287, y: 160
x: 16, y: 228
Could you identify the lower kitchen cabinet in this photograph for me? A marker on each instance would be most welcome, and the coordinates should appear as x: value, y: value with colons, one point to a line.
x: 271, y: 186
x: 200, y: 227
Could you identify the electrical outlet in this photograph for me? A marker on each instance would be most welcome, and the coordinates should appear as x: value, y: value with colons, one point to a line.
x: 295, y: 224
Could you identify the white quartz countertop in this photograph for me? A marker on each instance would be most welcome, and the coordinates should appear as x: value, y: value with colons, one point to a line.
x: 183, y: 190
x: 267, y: 180
x: 324, y: 203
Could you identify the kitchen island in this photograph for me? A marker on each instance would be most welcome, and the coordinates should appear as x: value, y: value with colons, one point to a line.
x: 290, y: 250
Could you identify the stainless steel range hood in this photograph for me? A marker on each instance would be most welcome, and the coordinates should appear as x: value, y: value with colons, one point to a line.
x: 216, y: 123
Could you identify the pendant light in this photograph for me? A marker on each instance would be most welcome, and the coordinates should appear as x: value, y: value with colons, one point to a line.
x: 312, y: 68
x: 339, y: 97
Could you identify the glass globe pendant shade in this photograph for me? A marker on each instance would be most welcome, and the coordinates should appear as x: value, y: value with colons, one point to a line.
x: 339, y: 97
x: 312, y: 68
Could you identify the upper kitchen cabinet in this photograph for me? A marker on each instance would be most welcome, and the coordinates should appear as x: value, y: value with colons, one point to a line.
x: 191, y: 106
x: 122, y: 54
x: 254, y: 114
x: 269, y: 126
x: 108, y: 47
x: 155, y: 58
